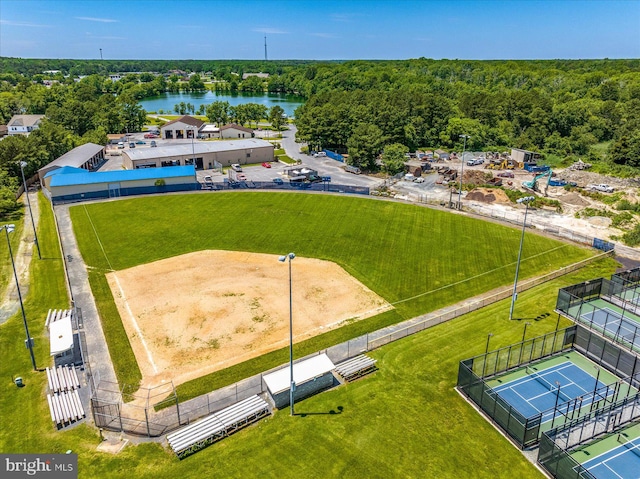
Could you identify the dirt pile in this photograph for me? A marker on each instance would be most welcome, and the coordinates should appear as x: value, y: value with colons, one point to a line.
x: 476, y: 177
x: 488, y: 195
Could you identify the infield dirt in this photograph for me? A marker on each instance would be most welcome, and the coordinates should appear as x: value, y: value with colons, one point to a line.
x: 197, y: 313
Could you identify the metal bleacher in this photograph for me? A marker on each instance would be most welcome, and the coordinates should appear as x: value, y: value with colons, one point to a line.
x: 65, y: 406
x: 357, y: 367
x: 216, y: 426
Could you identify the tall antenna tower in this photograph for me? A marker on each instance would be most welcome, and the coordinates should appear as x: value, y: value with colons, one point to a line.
x: 265, y: 48
x: 101, y: 54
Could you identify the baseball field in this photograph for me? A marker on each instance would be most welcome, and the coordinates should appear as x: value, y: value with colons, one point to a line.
x: 406, y: 420
x: 413, y: 259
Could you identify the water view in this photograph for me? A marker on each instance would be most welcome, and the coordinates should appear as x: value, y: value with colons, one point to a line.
x: 167, y: 101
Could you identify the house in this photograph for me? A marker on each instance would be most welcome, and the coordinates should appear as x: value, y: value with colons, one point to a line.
x: 87, y: 157
x: 184, y: 127
x: 259, y: 75
x: 4, y: 130
x: 23, y: 124
x: 234, y: 130
x: 115, y: 138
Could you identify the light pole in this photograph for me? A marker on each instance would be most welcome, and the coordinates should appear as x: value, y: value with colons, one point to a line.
x: 526, y: 200
x: 524, y: 333
x: 193, y: 150
x: 24, y: 183
x: 29, y: 342
x: 555, y: 408
x: 292, y: 387
x: 464, y: 148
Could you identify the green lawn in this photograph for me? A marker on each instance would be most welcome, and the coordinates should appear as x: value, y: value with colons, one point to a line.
x: 406, y: 420
x: 418, y: 258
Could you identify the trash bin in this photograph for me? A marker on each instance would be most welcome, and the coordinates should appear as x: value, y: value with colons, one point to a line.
x: 19, y: 382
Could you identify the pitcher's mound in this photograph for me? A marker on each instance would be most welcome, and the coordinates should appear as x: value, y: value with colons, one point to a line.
x: 200, y: 312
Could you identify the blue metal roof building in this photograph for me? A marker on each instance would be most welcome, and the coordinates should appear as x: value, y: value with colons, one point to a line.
x: 75, y: 184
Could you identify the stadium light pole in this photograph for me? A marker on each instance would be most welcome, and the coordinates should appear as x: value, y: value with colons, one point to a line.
x: 464, y: 149
x: 558, y: 385
x: 292, y: 386
x: 24, y: 183
x: 526, y: 200
x: 29, y: 342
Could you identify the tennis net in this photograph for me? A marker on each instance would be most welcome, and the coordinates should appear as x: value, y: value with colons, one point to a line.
x: 630, y: 445
x: 553, y: 388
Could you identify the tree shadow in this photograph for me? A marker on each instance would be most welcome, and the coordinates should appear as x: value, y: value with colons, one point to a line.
x: 331, y: 412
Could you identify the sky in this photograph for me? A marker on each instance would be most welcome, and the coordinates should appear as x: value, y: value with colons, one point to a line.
x: 320, y: 30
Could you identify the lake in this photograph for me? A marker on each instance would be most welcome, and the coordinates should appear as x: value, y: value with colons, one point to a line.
x: 167, y: 101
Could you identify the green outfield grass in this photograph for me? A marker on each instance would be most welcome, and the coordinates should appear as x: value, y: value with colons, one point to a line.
x: 405, y: 420
x: 416, y: 258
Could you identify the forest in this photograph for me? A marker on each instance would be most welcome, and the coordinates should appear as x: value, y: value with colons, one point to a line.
x: 564, y: 109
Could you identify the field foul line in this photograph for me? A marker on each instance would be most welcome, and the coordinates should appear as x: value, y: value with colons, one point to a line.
x: 97, y: 237
x: 135, y: 324
x: 474, y: 277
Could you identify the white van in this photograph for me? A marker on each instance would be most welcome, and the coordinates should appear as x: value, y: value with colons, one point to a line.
x: 120, y: 145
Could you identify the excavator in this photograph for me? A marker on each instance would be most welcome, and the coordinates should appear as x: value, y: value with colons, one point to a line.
x: 533, y: 184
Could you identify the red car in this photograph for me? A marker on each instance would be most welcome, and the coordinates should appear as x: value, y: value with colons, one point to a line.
x: 266, y: 165
x: 150, y: 135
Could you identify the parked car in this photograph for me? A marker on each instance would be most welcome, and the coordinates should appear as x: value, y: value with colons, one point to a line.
x: 266, y: 164
x: 506, y: 174
x: 419, y: 179
x: 132, y: 144
x: 120, y: 144
x: 475, y: 161
x: 278, y: 181
x: 153, y: 143
x: 140, y: 142
x: 150, y: 135
x: 241, y: 177
x: 236, y: 167
x: 601, y: 187
x: 320, y: 154
x: 352, y: 169
x: 409, y: 177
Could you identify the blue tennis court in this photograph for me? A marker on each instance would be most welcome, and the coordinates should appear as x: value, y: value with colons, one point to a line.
x: 615, y: 323
x: 540, y: 390
x: 620, y: 462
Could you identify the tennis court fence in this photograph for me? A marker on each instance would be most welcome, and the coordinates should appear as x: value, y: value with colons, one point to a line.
x: 557, y: 445
x: 575, y: 302
x: 630, y: 277
x: 474, y: 373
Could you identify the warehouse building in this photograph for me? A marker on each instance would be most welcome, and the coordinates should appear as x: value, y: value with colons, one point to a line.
x: 87, y: 157
x: 207, y: 155
x: 75, y: 184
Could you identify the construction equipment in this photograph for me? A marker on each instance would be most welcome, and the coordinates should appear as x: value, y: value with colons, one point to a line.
x: 533, y: 184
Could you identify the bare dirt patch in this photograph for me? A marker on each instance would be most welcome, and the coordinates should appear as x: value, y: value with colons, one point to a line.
x: 200, y: 312
x: 488, y: 195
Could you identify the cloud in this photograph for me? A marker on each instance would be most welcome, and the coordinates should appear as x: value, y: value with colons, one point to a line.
x: 323, y: 35
x: 271, y: 31
x: 94, y: 19
x: 345, y: 17
x: 22, y: 24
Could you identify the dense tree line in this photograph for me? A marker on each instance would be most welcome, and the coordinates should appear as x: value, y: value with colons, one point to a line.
x: 559, y: 107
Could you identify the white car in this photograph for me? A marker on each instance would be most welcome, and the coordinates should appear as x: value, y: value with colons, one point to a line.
x: 236, y: 167
x: 419, y: 179
x: 601, y: 187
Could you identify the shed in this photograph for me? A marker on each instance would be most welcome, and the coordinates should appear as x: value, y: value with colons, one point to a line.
x: 310, y: 377
x: 442, y: 155
x: 60, y: 336
x: 414, y: 167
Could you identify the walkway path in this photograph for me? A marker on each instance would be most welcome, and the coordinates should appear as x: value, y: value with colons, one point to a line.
x: 99, y: 358
x: 22, y: 258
